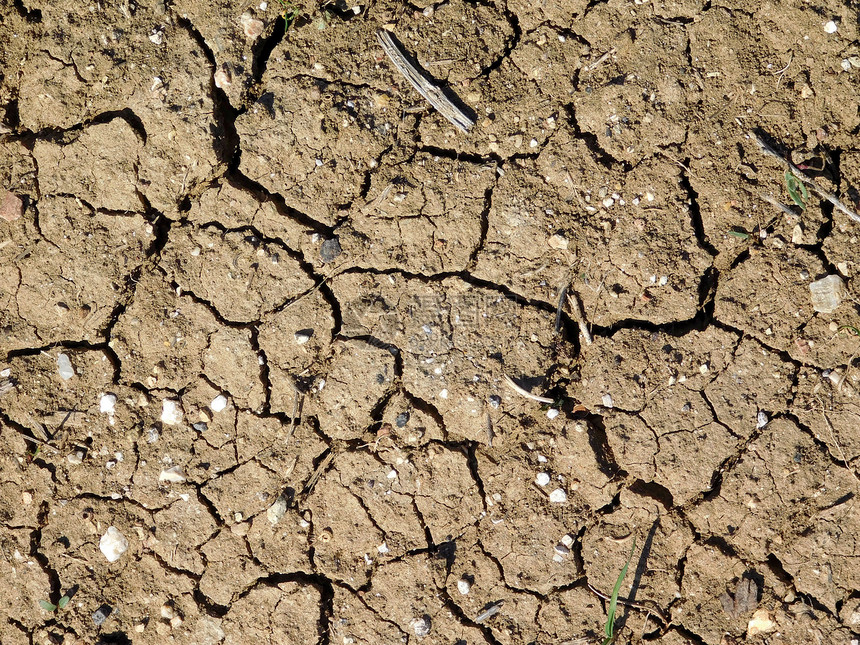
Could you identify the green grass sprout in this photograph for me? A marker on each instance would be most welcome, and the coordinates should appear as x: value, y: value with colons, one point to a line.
x: 793, y: 183
x: 291, y: 12
x: 613, y: 602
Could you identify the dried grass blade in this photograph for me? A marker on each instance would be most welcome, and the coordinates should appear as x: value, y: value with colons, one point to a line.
x: 422, y: 85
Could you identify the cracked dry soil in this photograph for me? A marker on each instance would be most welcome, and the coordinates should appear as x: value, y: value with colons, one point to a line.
x: 290, y: 295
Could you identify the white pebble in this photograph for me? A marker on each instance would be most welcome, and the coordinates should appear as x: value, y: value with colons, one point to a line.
x: 542, y: 479
x: 443, y: 394
x: 558, y: 496
x: 107, y: 404
x: 302, y: 337
x: 218, y: 403
x: 552, y: 413
x: 383, y: 548
x: 277, y: 510
x: 607, y: 400
x: 830, y: 27
x: 172, y: 475
x: 561, y: 549
x: 75, y: 458
x: 264, y: 6
x: 171, y: 412
x: 761, y: 419
x: 421, y: 626
x: 464, y: 586
x: 567, y: 540
x: 113, y: 544
x: 64, y: 365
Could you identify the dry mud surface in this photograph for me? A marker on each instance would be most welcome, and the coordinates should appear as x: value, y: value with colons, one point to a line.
x: 258, y: 305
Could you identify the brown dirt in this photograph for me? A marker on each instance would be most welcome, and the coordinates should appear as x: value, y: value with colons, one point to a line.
x: 274, y: 235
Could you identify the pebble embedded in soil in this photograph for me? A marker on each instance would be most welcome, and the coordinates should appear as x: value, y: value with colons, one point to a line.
x: 252, y: 27
x: 101, y: 614
x: 830, y: 27
x: 113, y: 544
x: 11, y: 207
x: 552, y: 413
x: 421, y: 626
x: 464, y: 586
x: 171, y: 412
x: 107, y: 404
x: 218, y: 403
x: 330, y: 250
x: 558, y: 496
x: 827, y: 293
x: 760, y: 623
x: 303, y: 336
x: 542, y: 479
x: 761, y: 419
x: 64, y: 366
x: 172, y: 475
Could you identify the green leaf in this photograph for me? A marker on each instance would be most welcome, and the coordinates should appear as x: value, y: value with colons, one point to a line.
x: 739, y: 234
x: 47, y: 606
x: 613, y: 603
x: 793, y: 183
x: 63, y: 602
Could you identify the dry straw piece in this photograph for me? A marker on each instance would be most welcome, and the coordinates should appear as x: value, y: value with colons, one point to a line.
x: 420, y: 82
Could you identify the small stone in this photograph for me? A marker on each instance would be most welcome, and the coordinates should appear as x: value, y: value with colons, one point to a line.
x: 26, y: 498
x: 223, y: 79
x: 830, y: 27
x: 101, y: 614
x: 64, y: 365
x: 420, y: 626
x: 495, y: 401
x: 402, y: 419
x: 827, y: 293
x: 552, y: 413
x: 542, y: 479
x: 113, y: 544
x: 252, y: 27
x: 277, y: 510
x: 200, y: 426
x: 330, y: 250
x: 464, y: 586
x: 761, y: 419
x: 75, y: 458
x: 11, y: 207
x: 561, y: 549
x: 607, y: 400
x: 443, y: 394
x: 171, y: 412
x: 107, y: 404
x: 558, y: 242
x: 303, y: 336
x: 172, y: 475
x: 567, y: 540
x: 218, y: 403
x: 383, y: 548
x: 760, y: 623
x: 558, y: 496
x: 167, y: 611
x: 176, y: 621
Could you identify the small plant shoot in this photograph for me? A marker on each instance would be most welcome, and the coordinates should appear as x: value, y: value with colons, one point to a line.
x: 793, y: 184
x: 613, y: 602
